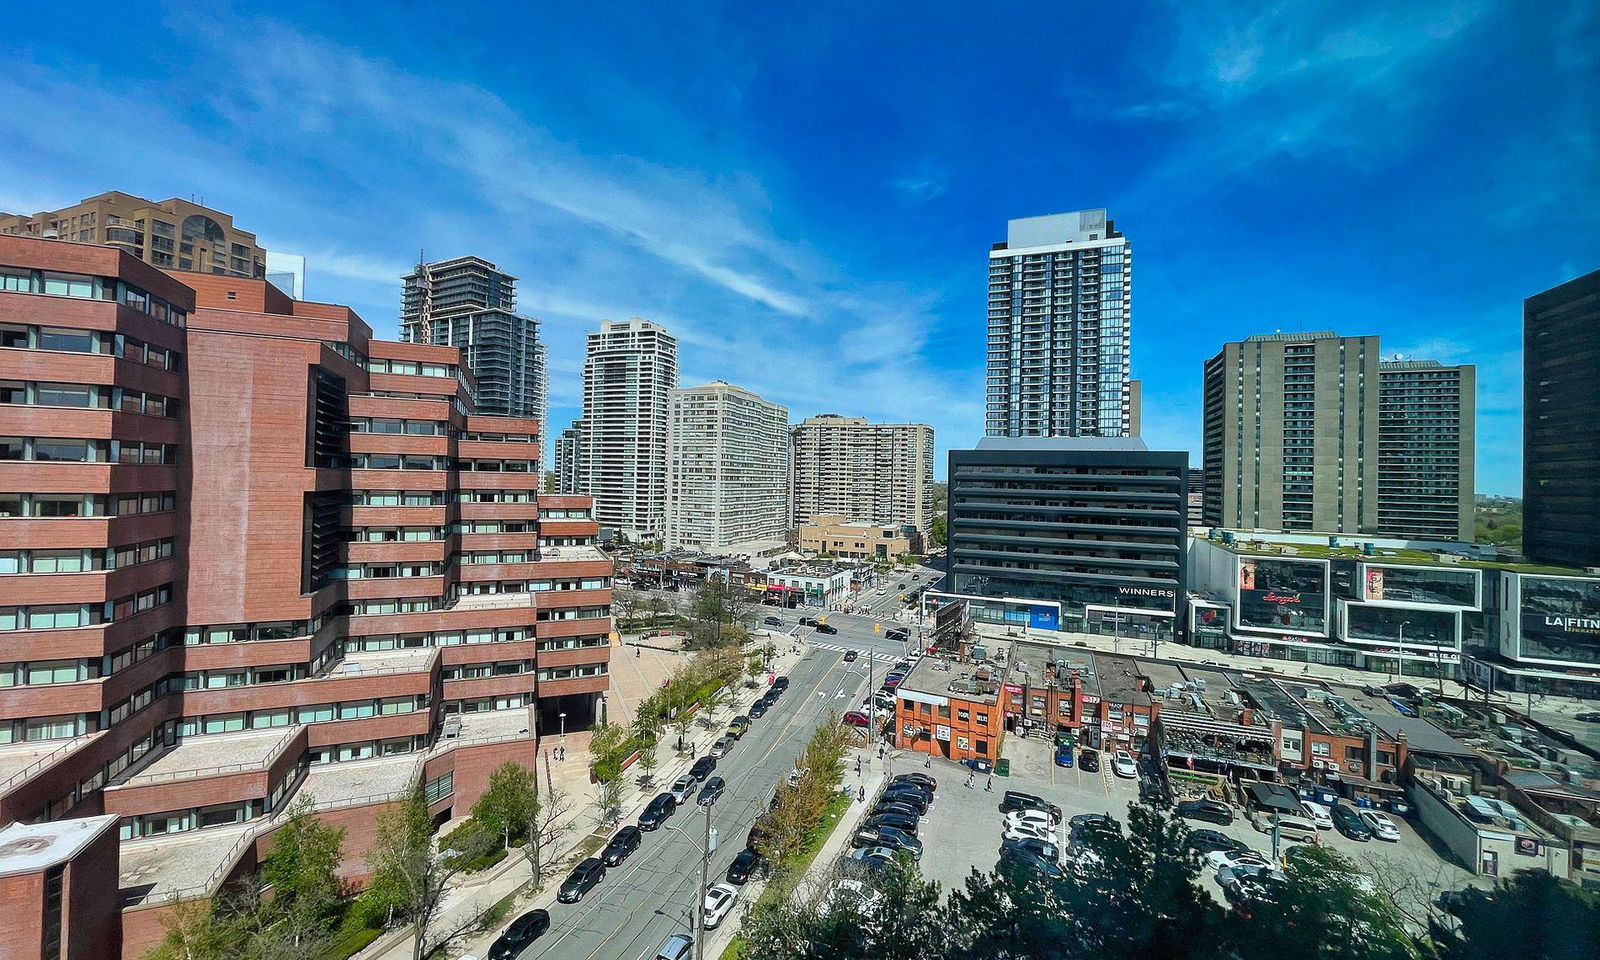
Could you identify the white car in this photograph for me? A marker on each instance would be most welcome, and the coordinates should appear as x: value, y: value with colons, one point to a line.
x: 1217, y: 859
x: 1038, y: 817
x: 1029, y: 830
x: 1381, y: 826
x: 682, y: 789
x: 1318, y: 814
x: 1122, y: 763
x: 720, y: 899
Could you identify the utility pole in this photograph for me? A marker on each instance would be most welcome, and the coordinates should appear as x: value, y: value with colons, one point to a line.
x: 700, y: 897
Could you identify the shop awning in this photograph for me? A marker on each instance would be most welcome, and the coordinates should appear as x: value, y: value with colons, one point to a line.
x: 1275, y: 796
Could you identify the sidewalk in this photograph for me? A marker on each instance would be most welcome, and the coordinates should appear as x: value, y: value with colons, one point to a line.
x: 472, y: 895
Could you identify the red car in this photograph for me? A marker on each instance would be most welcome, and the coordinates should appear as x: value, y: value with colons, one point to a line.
x: 892, y: 681
x: 855, y: 718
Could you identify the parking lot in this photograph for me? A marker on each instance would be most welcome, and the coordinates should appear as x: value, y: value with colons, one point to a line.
x: 962, y: 829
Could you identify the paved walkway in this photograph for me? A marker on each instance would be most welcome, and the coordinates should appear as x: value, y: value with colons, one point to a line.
x: 473, y: 895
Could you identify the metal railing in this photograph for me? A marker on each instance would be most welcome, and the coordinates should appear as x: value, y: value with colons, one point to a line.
x: 16, y: 779
x: 167, y: 776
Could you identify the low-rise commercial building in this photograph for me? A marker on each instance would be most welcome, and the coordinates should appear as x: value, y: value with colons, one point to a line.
x: 858, y: 539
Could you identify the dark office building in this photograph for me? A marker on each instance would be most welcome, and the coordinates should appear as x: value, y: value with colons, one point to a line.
x: 1084, y: 535
x: 1561, y: 424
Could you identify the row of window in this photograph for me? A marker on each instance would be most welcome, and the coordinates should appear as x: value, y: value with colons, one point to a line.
x: 452, y: 638
x: 437, y: 498
x: 69, y: 450
x: 22, y: 336
x: 83, y: 560
x: 478, y: 671
x: 85, y: 396
x: 412, y: 368
x: 414, y: 428
x: 63, y: 616
x: 574, y: 672
x: 57, y: 284
x: 76, y: 505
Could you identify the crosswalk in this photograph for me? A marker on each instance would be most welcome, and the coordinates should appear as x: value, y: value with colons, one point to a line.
x: 882, y: 657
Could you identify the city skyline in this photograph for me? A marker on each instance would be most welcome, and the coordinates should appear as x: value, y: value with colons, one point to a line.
x: 690, y: 190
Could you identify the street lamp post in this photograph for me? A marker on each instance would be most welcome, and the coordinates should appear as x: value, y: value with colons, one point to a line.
x: 563, y: 726
x: 700, y: 894
x: 1400, y: 654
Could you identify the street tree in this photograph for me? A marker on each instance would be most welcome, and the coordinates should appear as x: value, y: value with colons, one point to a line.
x: 505, y: 807
x: 409, y: 873
x: 1530, y: 916
x: 1328, y: 910
x: 301, y: 869
x: 547, y: 825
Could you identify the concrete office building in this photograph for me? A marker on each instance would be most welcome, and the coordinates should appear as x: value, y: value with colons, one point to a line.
x: 857, y: 539
x: 872, y: 472
x: 1197, y: 497
x: 727, y: 468
x: 470, y: 304
x: 569, y: 457
x: 171, y: 234
x: 1084, y: 535
x: 1561, y: 423
x: 631, y: 367
x: 243, y: 546
x: 1060, y: 305
x: 1427, y: 447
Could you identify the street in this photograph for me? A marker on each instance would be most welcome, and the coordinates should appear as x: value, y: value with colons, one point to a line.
x: 650, y: 896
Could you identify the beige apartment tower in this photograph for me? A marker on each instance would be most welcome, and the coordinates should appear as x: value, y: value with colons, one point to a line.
x: 171, y: 234
x: 872, y: 472
x: 727, y: 468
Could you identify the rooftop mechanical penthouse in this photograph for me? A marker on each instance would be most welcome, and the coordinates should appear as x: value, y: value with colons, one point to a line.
x: 249, y: 553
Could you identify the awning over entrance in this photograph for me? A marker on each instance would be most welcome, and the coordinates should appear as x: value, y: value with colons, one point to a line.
x: 1275, y: 796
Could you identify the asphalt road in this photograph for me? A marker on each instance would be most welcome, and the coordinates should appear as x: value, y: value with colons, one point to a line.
x: 650, y: 895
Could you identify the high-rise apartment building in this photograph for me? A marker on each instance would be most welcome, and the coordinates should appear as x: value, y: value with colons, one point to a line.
x: 1561, y: 423
x: 630, y: 368
x: 727, y: 468
x: 250, y: 554
x: 172, y: 234
x: 1426, y: 450
x: 469, y: 303
x: 1291, y: 433
x: 1060, y: 305
x: 872, y: 472
x: 570, y: 448
x: 1315, y: 432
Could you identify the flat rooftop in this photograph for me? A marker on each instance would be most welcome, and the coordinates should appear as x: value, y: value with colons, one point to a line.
x: 484, y: 725
x: 1030, y: 663
x: 341, y: 784
x: 1321, y: 551
x: 932, y: 676
x: 573, y: 553
x: 214, y: 754
x: 1119, y: 679
x: 411, y: 660
x: 155, y: 867
x: 16, y: 758
x: 495, y: 601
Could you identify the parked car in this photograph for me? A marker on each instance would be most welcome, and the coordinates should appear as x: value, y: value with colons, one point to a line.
x: 771, y: 622
x: 621, y: 846
x: 711, y: 792
x: 873, y: 858
x: 1217, y: 859
x: 827, y: 628
x: 702, y: 768
x: 679, y: 946
x: 808, y: 621
x: 1016, y: 800
x: 1317, y: 814
x: 758, y: 831
x: 1587, y: 718
x: 1063, y: 755
x: 1020, y: 856
x: 1028, y: 830
x: 911, y: 797
x: 1044, y: 849
x: 920, y: 779
x: 771, y: 697
x: 1212, y: 811
x: 1040, y: 817
x: 1208, y: 841
x: 850, y: 656
x: 899, y: 821
x: 1238, y: 871
x: 746, y: 865
x: 894, y: 806
x: 758, y: 709
x: 1381, y: 826
x: 522, y: 932
x: 654, y: 815
x: 738, y: 726
x: 581, y: 880
x: 720, y: 899
x: 1349, y: 823
x: 780, y: 683
x: 1085, y: 825
x: 892, y: 682
x: 855, y: 718
x: 683, y: 788
x: 850, y: 891
x: 1289, y: 827
x: 1123, y: 766
x: 978, y: 765
x: 721, y: 747
x: 1089, y: 760
x: 888, y: 837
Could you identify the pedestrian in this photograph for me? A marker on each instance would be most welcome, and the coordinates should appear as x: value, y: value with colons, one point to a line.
x: 928, y: 762
x: 691, y: 751
x: 880, y: 751
x: 989, y: 787
x: 858, y: 766
x: 861, y: 796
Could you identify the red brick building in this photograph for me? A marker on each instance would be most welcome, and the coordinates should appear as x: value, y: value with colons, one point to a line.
x: 249, y: 553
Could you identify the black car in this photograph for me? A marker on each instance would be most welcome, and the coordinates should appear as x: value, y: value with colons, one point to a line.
x: 898, y: 821
x: 1032, y: 861
x: 771, y: 697
x: 582, y: 879
x: 1588, y: 718
x: 808, y: 621
x: 827, y: 628
x: 523, y: 931
x: 747, y: 864
x: 1212, y: 811
x: 898, y: 636
x: 1013, y: 800
x: 1349, y: 823
x: 662, y: 807
x: 886, y: 836
x: 624, y: 843
x: 772, y: 622
x: 1043, y: 849
x: 1085, y: 825
x: 780, y: 683
x: 920, y: 779
x: 758, y: 709
x: 915, y: 799
x: 711, y: 792
x: 702, y: 768
x: 1211, y: 841
x: 894, y: 806
x: 850, y: 656
x: 1089, y: 760
x: 759, y: 830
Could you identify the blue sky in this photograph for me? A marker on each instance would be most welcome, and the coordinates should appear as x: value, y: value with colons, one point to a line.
x: 806, y: 194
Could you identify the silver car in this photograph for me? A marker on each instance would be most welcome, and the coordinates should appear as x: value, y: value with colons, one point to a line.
x: 683, y: 788
x: 721, y: 747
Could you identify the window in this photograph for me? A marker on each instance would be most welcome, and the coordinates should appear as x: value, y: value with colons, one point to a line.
x: 75, y: 341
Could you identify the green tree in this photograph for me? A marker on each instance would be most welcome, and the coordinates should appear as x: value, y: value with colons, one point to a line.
x: 939, y: 534
x: 897, y: 918
x: 1327, y: 911
x: 506, y: 806
x: 301, y: 866
x: 1531, y: 916
x: 408, y: 875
